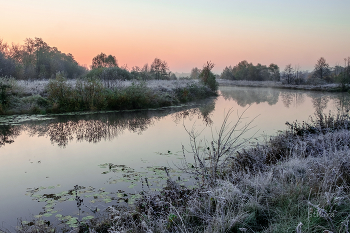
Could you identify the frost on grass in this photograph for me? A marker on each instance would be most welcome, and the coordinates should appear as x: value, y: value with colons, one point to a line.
x: 66, y: 95
x: 38, y: 87
x: 291, y: 183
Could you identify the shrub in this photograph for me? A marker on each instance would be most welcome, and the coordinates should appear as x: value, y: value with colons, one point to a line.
x: 4, y: 94
x: 59, y: 91
x: 111, y: 73
x: 8, y: 89
x: 208, y: 78
x: 139, y: 96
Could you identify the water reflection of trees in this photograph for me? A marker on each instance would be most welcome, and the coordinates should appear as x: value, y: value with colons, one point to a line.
x: 320, y: 101
x: 96, y: 127
x: 8, y: 134
x: 247, y: 96
x: 342, y: 101
x: 202, y: 112
x: 102, y: 127
x: 292, y: 98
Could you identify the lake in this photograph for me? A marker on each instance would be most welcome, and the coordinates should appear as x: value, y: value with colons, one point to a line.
x: 105, y: 157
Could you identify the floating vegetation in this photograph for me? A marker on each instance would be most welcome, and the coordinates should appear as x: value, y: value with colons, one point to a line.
x: 90, y: 201
x: 78, y: 194
x: 18, y: 119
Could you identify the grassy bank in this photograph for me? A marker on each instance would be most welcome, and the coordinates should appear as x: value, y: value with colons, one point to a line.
x: 271, y: 84
x: 62, y: 95
x: 297, y: 181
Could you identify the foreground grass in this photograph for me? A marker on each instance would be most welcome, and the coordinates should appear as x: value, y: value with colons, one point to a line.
x: 62, y: 95
x: 297, y: 182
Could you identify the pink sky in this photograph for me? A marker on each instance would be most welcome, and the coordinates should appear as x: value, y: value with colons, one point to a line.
x: 186, y: 34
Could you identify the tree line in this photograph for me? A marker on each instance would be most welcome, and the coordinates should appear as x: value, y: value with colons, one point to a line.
x: 107, y: 68
x: 321, y: 74
x: 35, y: 59
x: 247, y: 71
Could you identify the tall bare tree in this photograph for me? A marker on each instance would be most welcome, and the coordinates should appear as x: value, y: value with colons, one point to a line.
x: 322, y: 70
x: 159, y: 68
x: 289, y: 74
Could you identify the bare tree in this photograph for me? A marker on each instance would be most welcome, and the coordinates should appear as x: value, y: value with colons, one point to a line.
x: 289, y: 74
x: 322, y: 70
x: 195, y: 73
x: 159, y: 68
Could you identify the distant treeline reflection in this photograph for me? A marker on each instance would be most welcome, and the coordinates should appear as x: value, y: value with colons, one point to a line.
x: 247, y: 96
x: 107, y: 126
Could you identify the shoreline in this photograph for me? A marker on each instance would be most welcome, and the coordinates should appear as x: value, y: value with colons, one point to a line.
x: 61, y: 95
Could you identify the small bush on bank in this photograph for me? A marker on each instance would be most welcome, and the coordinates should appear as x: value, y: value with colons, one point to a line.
x: 208, y: 78
x: 59, y: 91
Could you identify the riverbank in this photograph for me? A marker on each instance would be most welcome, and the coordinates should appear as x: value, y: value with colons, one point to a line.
x: 333, y: 87
x: 62, y: 95
x: 297, y: 181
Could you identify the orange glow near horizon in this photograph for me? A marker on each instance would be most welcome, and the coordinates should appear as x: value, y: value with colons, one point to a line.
x: 184, y: 34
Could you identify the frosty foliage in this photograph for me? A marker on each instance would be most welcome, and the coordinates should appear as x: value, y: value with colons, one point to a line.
x: 292, y: 182
x: 37, y: 87
x: 90, y: 93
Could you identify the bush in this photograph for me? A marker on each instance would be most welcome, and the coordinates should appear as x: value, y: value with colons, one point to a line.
x: 208, y: 78
x: 111, y: 73
x: 59, y: 92
x: 8, y: 89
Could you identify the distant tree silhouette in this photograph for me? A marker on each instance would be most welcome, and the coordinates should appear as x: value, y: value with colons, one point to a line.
x: 322, y: 70
x: 195, y: 73
x: 274, y: 72
x: 36, y: 59
x: 227, y: 73
x: 289, y: 74
x: 247, y: 71
x: 159, y: 69
x: 104, y: 61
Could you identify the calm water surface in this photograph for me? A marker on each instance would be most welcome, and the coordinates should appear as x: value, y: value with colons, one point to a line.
x: 105, y: 154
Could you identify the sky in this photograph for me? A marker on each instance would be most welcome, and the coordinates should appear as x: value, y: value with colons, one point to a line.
x: 185, y: 33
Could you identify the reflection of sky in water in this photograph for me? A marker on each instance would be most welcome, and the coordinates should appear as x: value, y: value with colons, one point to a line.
x: 64, y: 154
